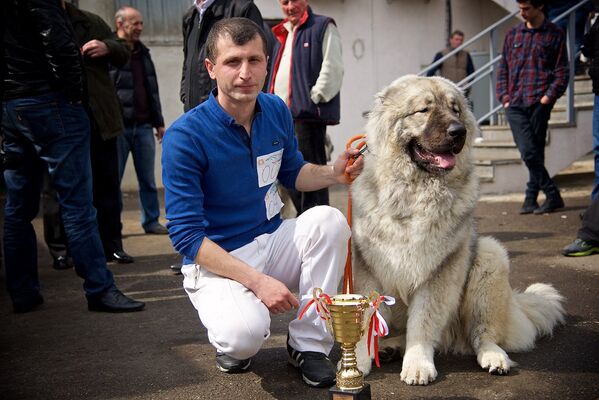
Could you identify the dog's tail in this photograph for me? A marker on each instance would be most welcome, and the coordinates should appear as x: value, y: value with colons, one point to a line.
x: 534, y: 312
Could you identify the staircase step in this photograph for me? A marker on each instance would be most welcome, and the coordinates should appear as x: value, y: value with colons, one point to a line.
x: 501, y: 133
x: 495, y: 150
x: 580, y: 100
x: 485, y: 173
x: 583, y: 84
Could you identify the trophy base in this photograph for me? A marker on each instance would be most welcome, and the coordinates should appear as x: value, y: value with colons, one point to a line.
x: 361, y: 394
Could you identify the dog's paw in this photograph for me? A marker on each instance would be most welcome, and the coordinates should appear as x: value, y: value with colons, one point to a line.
x: 418, y: 368
x: 494, y: 359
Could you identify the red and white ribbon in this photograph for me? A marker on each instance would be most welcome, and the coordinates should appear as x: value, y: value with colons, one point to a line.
x: 321, y: 300
x: 378, y: 326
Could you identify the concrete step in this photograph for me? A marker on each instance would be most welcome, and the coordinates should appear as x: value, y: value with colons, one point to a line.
x: 583, y: 85
x: 495, y: 150
x: 580, y: 100
x: 501, y: 133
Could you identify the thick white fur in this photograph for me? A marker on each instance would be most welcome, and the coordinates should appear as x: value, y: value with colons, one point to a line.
x: 414, y: 239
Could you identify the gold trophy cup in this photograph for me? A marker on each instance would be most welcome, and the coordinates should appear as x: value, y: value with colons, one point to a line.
x: 347, y: 315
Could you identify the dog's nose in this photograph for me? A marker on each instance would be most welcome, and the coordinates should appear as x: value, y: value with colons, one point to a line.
x: 456, y: 129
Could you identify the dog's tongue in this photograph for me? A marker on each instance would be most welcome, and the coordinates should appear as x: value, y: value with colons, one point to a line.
x: 445, y: 160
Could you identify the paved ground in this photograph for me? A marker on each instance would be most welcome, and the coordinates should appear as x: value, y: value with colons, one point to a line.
x: 62, y: 351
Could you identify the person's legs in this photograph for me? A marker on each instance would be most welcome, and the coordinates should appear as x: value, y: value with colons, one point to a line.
x: 22, y: 202
x: 306, y: 253
x: 124, y: 144
x: 303, y: 253
x: 237, y: 321
x: 519, y: 120
x: 589, y: 230
x: 311, y: 143
x: 144, y: 150
x: 54, y: 234
x: 60, y: 132
x: 595, y: 193
x: 107, y: 192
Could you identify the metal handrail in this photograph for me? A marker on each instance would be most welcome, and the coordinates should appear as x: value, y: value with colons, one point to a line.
x: 489, y: 69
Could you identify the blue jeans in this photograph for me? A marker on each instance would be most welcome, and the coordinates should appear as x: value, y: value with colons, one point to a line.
x: 595, y: 193
x: 139, y: 140
x: 48, y: 128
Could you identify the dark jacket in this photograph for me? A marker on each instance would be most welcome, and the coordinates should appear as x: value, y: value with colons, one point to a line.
x: 122, y: 79
x: 39, y: 51
x: 590, y: 48
x: 305, y: 69
x: 105, y: 109
x: 195, y: 81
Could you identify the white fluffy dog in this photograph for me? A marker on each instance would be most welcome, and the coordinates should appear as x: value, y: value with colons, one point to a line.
x: 414, y: 239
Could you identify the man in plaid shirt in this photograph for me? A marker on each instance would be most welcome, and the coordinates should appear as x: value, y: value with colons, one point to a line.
x: 532, y: 75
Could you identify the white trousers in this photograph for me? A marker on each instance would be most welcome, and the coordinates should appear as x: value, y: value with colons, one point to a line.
x: 303, y: 253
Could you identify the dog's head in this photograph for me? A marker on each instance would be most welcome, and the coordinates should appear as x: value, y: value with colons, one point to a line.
x: 425, y: 120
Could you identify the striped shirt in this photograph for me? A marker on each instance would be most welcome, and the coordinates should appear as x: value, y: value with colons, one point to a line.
x: 534, y: 64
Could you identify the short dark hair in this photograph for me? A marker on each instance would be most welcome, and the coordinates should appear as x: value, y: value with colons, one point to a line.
x: 240, y: 30
x: 534, y: 3
x: 456, y: 33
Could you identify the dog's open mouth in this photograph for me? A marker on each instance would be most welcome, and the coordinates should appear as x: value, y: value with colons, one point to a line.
x: 432, y: 161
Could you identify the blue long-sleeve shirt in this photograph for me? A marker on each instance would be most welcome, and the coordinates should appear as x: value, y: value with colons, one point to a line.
x: 215, y: 178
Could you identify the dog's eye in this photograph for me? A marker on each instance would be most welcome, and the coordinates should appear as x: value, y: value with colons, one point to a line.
x: 456, y: 110
x: 423, y: 110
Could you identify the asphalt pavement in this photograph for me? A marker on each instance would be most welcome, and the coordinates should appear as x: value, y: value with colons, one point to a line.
x: 62, y: 351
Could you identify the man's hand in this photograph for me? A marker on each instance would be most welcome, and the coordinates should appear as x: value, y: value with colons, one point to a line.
x: 95, y: 48
x: 341, y: 165
x: 274, y: 294
x: 545, y: 100
x: 506, y: 104
x: 159, y: 133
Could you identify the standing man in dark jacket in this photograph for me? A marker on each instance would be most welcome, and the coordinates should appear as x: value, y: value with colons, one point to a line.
x: 197, y: 22
x: 137, y: 89
x: 43, y: 118
x: 100, y: 48
x: 307, y: 72
x: 532, y: 75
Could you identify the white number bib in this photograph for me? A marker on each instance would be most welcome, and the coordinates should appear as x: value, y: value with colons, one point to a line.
x: 268, y: 167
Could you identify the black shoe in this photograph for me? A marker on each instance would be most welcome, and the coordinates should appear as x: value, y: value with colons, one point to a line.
x: 176, y: 268
x: 231, y: 365
x: 529, y: 205
x: 316, y: 368
x: 62, y: 262
x: 25, y: 306
x: 113, y: 300
x: 553, y: 202
x: 156, y: 229
x: 120, y: 257
x: 580, y: 248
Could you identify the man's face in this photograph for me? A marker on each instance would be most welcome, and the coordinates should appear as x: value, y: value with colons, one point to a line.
x: 132, y: 26
x: 239, y: 71
x: 293, y: 9
x: 456, y: 41
x: 530, y: 13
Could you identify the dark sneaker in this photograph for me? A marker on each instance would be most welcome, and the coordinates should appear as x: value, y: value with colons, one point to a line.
x: 316, y: 368
x: 529, y: 206
x: 156, y: 229
x: 580, y: 248
x: 231, y: 365
x: 552, y: 203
